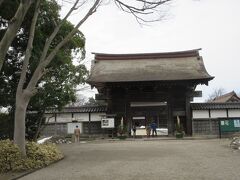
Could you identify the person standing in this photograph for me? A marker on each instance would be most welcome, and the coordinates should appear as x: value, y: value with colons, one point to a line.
x: 148, y: 130
x: 77, y: 134
x: 154, y: 128
x: 134, y: 130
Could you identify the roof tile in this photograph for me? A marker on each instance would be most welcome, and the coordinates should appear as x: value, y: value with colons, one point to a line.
x: 205, y: 106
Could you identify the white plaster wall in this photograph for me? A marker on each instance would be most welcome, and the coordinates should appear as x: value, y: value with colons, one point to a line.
x: 80, y: 117
x: 83, y: 117
x: 200, y: 114
x: 218, y: 113
x: 64, y: 117
x: 97, y: 116
x: 60, y: 118
x: 234, y: 112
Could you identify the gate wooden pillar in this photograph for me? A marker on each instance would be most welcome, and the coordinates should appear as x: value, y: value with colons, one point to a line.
x: 170, y: 122
x: 109, y: 100
x: 128, y: 112
x: 188, y: 116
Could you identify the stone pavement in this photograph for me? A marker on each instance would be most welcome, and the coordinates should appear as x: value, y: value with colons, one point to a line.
x: 143, y: 160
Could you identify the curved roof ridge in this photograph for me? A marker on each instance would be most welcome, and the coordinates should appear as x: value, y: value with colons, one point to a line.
x: 175, y: 54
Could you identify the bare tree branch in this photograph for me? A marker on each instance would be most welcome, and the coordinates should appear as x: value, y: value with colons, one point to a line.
x: 13, y: 28
x: 216, y: 93
x: 52, y: 36
x: 143, y: 9
x: 29, y: 49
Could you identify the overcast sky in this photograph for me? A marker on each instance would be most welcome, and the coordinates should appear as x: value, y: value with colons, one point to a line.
x: 212, y: 25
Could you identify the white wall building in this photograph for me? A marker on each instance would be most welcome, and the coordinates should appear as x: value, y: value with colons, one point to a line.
x: 206, y: 117
x: 87, y: 118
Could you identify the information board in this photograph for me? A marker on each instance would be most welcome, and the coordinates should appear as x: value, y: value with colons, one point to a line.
x: 230, y: 125
x: 107, y: 123
x: 72, y: 126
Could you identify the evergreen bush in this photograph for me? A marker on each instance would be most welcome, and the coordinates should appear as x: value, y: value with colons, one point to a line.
x: 9, y: 155
x: 38, y: 155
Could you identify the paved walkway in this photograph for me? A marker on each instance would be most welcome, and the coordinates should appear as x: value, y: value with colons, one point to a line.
x: 143, y: 160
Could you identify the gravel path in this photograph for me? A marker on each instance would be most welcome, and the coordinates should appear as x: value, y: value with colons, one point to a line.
x: 145, y: 160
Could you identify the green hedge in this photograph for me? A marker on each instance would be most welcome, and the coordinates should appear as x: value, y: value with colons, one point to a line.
x: 38, y: 155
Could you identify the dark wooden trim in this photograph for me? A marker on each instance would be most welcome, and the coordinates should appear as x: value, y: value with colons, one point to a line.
x: 219, y: 128
x: 160, y: 83
x: 170, y: 122
x: 188, y: 116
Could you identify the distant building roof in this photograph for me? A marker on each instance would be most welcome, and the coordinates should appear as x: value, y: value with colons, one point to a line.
x: 170, y: 66
x: 229, y: 97
x: 205, y: 106
x: 80, y: 109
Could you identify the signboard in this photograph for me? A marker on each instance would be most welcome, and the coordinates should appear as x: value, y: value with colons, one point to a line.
x: 197, y: 94
x: 72, y: 126
x: 230, y: 125
x: 162, y: 131
x: 107, y: 123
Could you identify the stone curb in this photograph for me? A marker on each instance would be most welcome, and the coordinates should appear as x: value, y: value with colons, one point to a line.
x: 34, y: 170
x: 166, y: 138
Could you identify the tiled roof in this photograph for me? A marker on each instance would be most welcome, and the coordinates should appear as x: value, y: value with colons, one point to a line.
x: 204, y: 106
x: 171, y: 66
x: 80, y: 109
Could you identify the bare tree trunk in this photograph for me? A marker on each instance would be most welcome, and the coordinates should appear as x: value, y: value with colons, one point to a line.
x: 23, y: 96
x: 19, y: 123
x: 13, y: 27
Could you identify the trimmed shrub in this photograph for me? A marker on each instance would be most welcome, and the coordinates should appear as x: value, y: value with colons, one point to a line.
x: 38, y: 155
x: 9, y: 155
